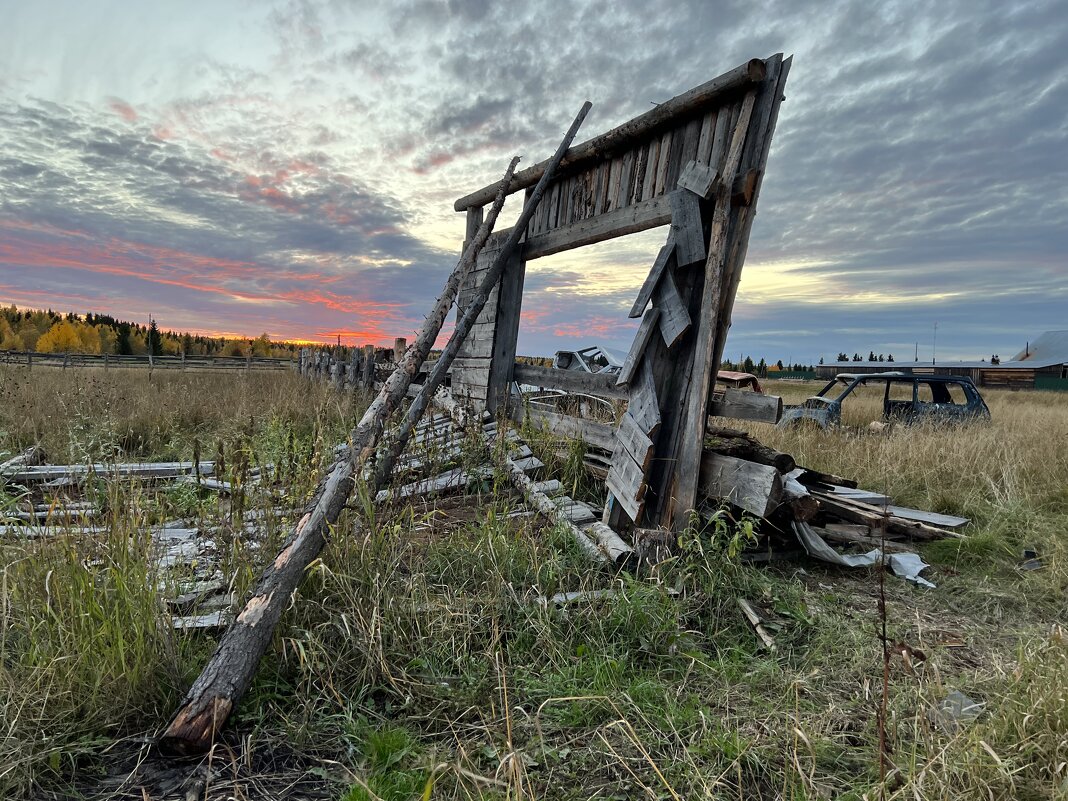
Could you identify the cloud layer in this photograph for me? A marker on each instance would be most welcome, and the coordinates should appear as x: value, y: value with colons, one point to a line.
x: 291, y: 168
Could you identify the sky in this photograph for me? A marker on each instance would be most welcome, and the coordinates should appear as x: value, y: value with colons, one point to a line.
x: 290, y: 167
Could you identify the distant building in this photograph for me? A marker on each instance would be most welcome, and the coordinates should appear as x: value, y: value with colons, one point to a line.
x: 1042, y: 364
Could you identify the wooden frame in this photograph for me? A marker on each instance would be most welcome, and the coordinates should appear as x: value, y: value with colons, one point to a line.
x: 695, y: 162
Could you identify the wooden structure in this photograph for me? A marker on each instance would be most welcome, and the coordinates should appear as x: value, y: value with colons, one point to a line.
x: 694, y: 162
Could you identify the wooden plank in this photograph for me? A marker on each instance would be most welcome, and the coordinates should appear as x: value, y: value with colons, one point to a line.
x: 770, y: 100
x: 719, y: 140
x: 683, y: 149
x: 740, y: 404
x: 640, y: 160
x: 644, y: 407
x: 699, y: 179
x: 626, y: 178
x: 603, y: 384
x: 629, y: 220
x: 575, y: 511
x: 649, y: 182
x: 662, y: 164
x: 626, y: 481
x: 704, y: 142
x: 756, y: 488
x: 933, y: 518
x: 674, y: 320
x: 509, y: 308
x: 638, y: 445
x: 600, y: 435
x: 613, y: 184
x: 686, y: 227
x: 600, y: 188
x: 637, y: 348
x: 664, y: 260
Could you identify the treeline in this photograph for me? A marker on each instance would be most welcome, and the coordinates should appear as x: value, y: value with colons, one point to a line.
x: 52, y: 332
x: 762, y: 369
x: 844, y: 357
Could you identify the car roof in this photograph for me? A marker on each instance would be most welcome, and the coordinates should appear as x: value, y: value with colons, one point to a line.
x: 891, y: 376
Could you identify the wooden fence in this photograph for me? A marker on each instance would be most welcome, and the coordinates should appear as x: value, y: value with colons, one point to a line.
x: 111, y: 361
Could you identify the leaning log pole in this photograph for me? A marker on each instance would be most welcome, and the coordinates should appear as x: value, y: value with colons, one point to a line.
x: 229, y: 672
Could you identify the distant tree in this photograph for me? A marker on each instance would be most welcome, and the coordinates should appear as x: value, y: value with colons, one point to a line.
x: 890, y: 357
x: 856, y: 357
x: 871, y: 355
x: 122, y: 345
x: 261, y: 346
x: 747, y: 365
x: 881, y: 358
x: 843, y: 357
x: 821, y: 360
x: 62, y: 337
x: 762, y: 368
x: 779, y: 364
x: 153, y: 341
x: 995, y: 359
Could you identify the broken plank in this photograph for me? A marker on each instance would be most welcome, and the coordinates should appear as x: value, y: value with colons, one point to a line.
x: 674, y: 320
x: 664, y: 261
x: 637, y: 348
x: 698, y: 178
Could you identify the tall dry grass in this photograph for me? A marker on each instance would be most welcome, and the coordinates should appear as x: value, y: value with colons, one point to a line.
x: 421, y: 657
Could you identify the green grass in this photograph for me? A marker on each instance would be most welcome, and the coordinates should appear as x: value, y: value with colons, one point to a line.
x: 420, y: 659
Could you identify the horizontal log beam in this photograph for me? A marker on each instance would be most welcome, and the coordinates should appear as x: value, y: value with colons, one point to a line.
x: 601, y: 384
x: 630, y: 219
x: 742, y: 405
x: 619, y: 138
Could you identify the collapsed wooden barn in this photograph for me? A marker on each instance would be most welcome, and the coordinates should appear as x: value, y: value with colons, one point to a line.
x: 695, y: 162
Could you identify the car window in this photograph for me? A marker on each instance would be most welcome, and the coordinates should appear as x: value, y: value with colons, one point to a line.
x: 901, y: 391
x: 957, y: 394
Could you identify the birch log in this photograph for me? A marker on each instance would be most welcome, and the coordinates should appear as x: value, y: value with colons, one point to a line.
x: 231, y: 667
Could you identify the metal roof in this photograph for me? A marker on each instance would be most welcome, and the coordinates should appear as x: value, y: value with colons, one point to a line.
x: 1049, y: 349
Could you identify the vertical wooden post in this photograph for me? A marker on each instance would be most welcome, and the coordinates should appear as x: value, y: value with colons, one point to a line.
x: 506, y: 332
x: 105, y: 362
x: 29, y: 360
x: 183, y: 360
x: 400, y: 344
x: 368, y: 366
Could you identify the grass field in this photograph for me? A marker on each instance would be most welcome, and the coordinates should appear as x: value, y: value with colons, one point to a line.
x: 418, y: 661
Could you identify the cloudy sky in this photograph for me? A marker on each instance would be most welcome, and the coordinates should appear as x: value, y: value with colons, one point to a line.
x: 242, y: 167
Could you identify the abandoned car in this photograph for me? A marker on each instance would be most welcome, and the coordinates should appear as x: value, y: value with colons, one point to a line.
x: 906, y: 398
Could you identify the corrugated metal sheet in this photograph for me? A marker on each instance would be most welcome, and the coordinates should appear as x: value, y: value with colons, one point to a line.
x: 1049, y: 349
